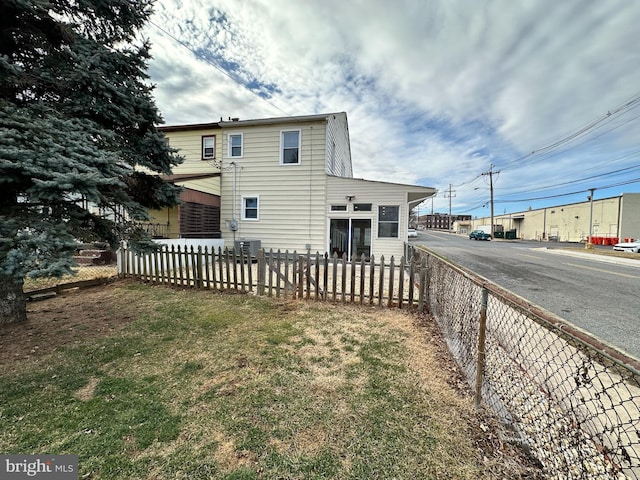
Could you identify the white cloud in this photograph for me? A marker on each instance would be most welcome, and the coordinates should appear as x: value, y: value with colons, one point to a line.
x: 435, y: 91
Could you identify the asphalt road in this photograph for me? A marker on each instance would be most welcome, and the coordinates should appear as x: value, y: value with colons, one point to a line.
x: 596, y: 293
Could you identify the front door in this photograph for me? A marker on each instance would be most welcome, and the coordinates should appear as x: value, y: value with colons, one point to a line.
x: 351, y: 236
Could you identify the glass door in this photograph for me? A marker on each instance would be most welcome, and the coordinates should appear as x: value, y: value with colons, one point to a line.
x: 361, y: 238
x: 351, y: 236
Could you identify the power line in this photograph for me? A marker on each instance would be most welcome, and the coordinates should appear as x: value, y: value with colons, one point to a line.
x: 632, y: 103
x: 614, y: 172
x: 619, y: 184
x: 214, y: 65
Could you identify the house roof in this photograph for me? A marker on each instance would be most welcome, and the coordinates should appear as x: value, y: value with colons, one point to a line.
x: 192, y: 126
x: 184, y: 177
x: 236, y: 121
x: 415, y: 193
x: 269, y: 121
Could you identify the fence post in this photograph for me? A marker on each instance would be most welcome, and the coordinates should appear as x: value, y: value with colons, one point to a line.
x: 199, y: 275
x: 381, y: 281
x: 392, y: 273
x: 362, y: 275
x: 421, y: 291
x: 412, y: 276
x: 372, y: 274
x: 401, y: 283
x: 427, y: 283
x: 335, y: 277
x: 325, y: 276
x: 481, y: 340
x: 207, y: 271
x: 300, y: 263
x: 262, y: 269
x: 344, y: 276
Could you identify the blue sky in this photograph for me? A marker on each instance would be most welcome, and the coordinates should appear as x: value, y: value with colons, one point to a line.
x: 435, y: 91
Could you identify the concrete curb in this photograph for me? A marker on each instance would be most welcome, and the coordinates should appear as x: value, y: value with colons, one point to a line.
x: 628, y: 262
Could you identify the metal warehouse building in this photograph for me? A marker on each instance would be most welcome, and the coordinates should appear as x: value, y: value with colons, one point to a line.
x: 613, y: 219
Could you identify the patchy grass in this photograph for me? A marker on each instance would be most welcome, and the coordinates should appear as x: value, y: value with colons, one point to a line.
x: 197, y: 385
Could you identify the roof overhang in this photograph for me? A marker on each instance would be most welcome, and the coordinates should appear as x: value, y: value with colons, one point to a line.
x: 414, y: 193
x: 193, y: 126
x: 270, y: 121
x: 185, y: 177
x: 418, y: 196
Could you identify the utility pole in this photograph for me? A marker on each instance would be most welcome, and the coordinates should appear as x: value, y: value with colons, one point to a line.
x: 449, y: 194
x: 491, y: 173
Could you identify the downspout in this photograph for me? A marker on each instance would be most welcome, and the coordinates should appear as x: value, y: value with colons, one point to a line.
x: 310, y: 179
x: 233, y: 203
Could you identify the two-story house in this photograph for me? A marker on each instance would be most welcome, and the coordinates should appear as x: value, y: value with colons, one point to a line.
x: 287, y: 182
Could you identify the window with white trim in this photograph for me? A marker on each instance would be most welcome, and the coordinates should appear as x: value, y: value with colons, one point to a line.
x: 208, y: 147
x: 362, y: 207
x: 290, y: 147
x: 388, y: 221
x: 250, y: 208
x: 235, y: 145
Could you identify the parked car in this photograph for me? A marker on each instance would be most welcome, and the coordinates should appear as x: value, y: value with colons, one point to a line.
x: 479, y: 235
x: 412, y: 233
x: 633, y: 247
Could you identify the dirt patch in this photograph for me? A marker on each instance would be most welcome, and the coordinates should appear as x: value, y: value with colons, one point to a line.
x: 66, y: 319
x: 86, y: 393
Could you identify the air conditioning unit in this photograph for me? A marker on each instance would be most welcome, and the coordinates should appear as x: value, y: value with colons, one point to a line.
x: 248, y: 247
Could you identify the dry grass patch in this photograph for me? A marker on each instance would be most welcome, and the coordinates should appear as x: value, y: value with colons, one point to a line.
x: 204, y: 385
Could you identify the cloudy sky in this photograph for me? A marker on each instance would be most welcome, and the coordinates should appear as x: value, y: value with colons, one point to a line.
x: 436, y: 92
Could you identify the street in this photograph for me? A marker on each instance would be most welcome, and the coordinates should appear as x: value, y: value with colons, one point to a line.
x: 589, y: 291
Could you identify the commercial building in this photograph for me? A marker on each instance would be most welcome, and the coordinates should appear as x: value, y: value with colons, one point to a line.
x: 612, y: 219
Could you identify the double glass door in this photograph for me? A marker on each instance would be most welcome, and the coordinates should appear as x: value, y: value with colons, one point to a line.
x: 351, y: 236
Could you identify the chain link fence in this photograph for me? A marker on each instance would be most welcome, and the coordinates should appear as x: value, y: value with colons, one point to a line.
x: 572, y: 401
x: 84, y: 275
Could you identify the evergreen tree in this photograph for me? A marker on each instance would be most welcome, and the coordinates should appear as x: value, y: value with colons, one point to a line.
x: 77, y: 127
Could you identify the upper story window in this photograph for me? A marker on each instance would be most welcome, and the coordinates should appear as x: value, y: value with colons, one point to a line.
x: 208, y: 147
x: 388, y: 220
x: 235, y: 145
x: 290, y: 147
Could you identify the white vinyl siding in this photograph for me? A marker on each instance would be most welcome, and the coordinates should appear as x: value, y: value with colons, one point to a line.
x: 338, y: 156
x: 292, y: 200
x: 377, y: 194
x: 189, y: 145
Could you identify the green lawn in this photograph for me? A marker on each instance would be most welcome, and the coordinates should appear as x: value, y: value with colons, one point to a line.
x: 201, y: 385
